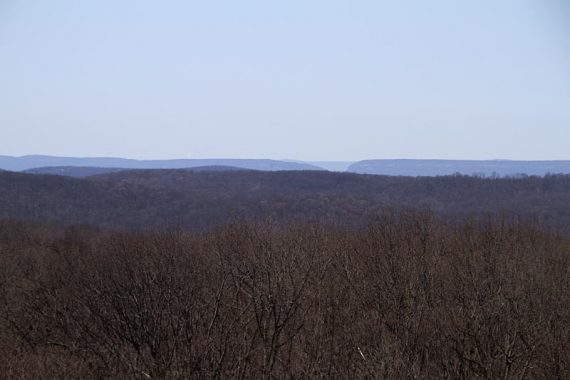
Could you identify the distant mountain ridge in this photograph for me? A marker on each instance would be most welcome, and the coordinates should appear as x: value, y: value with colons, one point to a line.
x: 82, y: 172
x: 430, y: 168
x: 83, y: 167
x: 38, y: 161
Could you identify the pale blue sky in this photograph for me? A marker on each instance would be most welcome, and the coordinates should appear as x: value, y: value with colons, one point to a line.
x: 310, y: 79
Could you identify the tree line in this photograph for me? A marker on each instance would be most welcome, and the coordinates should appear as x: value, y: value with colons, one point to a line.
x: 199, y: 201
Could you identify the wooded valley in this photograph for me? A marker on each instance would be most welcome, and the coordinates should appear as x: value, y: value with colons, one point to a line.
x: 243, y: 274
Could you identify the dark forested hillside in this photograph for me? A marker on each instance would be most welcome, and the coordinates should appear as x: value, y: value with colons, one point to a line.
x: 73, y: 171
x: 88, y: 171
x: 198, y: 200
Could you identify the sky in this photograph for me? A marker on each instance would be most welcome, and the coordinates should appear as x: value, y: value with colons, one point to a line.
x: 295, y: 79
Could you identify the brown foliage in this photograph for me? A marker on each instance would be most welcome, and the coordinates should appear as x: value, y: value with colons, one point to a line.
x: 408, y: 297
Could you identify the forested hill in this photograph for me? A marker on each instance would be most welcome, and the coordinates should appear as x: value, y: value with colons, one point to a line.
x: 73, y: 171
x: 82, y: 171
x: 141, y: 199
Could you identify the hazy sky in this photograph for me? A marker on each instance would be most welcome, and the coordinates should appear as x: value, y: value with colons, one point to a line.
x: 305, y: 79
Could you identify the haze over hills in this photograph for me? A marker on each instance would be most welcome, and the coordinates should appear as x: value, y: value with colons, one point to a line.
x: 333, y: 166
x: 466, y: 167
x: 39, y: 161
x: 82, y: 167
